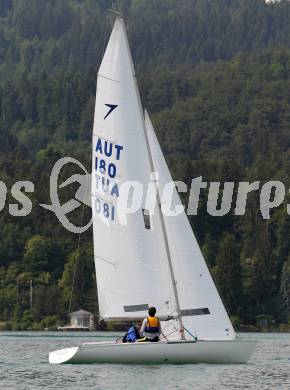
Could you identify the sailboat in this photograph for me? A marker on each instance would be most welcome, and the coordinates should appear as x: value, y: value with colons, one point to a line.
x: 152, y: 259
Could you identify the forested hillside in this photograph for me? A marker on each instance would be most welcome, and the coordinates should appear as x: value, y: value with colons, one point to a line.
x: 48, y: 36
x: 215, y: 75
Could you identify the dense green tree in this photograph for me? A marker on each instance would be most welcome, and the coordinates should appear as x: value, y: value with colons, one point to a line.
x: 78, y: 280
x: 228, y: 274
x: 36, y: 254
x: 285, y: 291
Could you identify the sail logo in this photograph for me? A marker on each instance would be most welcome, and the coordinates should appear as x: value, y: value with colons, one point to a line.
x: 112, y: 107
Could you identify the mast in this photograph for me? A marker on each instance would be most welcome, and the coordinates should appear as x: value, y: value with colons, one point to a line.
x: 170, y: 264
x: 173, y: 281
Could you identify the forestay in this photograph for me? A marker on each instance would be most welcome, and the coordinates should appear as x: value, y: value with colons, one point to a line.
x: 203, y: 311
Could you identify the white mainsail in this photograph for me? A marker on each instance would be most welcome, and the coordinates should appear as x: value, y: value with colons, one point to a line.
x: 199, y: 300
x: 131, y: 264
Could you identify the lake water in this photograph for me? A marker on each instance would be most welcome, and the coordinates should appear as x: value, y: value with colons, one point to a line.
x: 24, y: 365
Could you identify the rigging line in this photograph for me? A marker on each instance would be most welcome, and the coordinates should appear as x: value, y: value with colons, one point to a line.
x: 167, y: 328
x: 82, y: 215
x: 78, y: 248
x: 194, y: 337
x: 164, y: 336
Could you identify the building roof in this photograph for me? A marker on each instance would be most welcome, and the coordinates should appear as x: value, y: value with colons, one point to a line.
x: 81, y: 313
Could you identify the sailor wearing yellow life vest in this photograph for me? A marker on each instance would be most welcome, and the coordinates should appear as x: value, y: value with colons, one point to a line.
x: 150, y: 328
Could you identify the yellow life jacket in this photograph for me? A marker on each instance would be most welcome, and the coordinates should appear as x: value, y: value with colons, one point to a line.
x: 152, y: 325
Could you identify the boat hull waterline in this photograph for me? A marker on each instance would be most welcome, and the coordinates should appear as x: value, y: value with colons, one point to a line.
x: 172, y: 352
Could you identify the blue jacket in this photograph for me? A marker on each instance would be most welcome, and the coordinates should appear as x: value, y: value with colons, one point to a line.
x: 132, y: 335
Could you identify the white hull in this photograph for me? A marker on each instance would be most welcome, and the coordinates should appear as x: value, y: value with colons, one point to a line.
x: 179, y: 352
